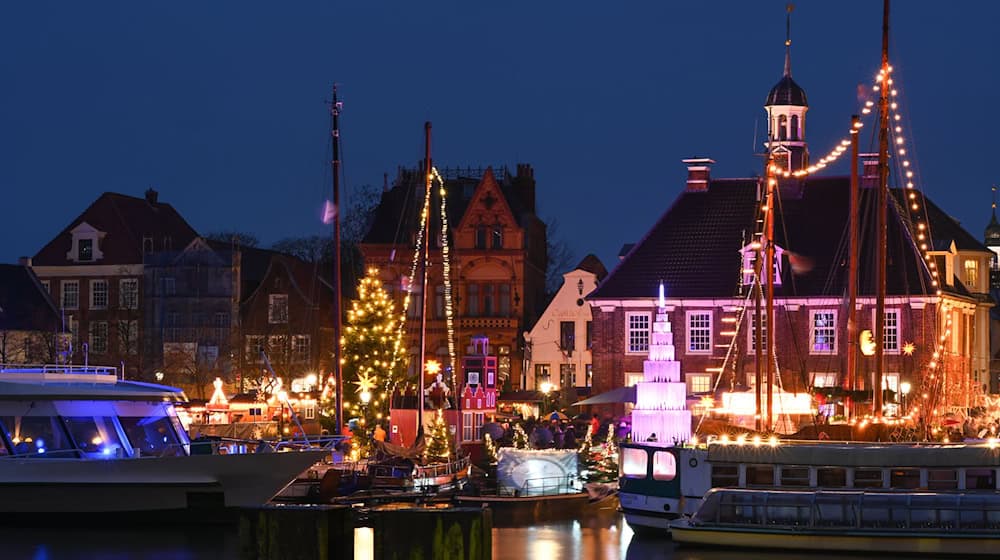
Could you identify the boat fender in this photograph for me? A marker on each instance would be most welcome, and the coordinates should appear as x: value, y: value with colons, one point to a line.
x: 693, y: 462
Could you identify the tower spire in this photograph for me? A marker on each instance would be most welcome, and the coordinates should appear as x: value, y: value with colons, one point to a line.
x: 788, y: 39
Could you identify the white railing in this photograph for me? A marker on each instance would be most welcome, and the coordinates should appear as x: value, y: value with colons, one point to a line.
x: 58, y: 368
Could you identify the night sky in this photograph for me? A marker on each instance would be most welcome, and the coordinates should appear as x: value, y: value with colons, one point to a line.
x: 220, y: 105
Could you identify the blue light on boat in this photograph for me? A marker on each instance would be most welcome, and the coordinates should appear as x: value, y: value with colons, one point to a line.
x: 41, y: 450
x: 39, y: 443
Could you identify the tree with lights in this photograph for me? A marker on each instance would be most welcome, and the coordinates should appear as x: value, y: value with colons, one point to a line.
x: 372, y: 361
x: 520, y: 440
x: 600, y: 462
x: 439, y: 444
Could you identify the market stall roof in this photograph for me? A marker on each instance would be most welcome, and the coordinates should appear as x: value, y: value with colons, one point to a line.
x: 619, y: 395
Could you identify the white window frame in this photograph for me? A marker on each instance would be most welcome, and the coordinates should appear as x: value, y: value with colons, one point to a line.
x: 301, y: 348
x: 96, y: 294
x: 98, y: 339
x: 971, y: 270
x: 128, y: 293
x: 275, y: 304
x: 467, y: 427
x: 812, y: 332
x: 255, y: 343
x: 63, y: 290
x: 638, y: 330
x: 896, y: 329
x: 690, y: 331
x: 750, y: 264
x: 633, y: 377
x: 752, y: 334
x: 699, y: 381
x: 890, y: 382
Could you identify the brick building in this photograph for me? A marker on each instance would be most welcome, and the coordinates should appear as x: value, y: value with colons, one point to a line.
x: 30, y: 324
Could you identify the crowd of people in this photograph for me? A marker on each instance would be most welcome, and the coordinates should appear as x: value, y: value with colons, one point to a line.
x: 559, y: 432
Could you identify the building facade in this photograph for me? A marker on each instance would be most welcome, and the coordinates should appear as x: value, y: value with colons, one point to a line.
x: 558, y: 348
x: 497, y: 255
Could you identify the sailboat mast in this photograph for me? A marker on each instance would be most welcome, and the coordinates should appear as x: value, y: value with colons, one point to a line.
x: 883, y: 188
x: 850, y: 383
x: 423, y: 277
x: 337, y: 372
x: 769, y: 275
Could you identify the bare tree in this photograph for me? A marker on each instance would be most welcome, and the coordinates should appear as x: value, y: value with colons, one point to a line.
x: 358, y: 213
x: 243, y: 238
x: 561, y: 257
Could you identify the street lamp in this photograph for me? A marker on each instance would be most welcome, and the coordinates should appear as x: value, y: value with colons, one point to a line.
x: 904, y: 388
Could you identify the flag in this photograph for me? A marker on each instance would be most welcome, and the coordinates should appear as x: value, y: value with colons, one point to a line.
x: 329, y: 212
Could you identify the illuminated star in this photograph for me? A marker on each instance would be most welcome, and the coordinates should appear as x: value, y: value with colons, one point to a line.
x: 908, y: 348
x: 365, y: 383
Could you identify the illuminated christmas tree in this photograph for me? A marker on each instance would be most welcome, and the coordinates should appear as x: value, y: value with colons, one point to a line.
x: 439, y: 446
x: 373, y: 363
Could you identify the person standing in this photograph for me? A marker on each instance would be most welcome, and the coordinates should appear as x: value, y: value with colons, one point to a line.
x: 595, y: 425
x: 379, y: 433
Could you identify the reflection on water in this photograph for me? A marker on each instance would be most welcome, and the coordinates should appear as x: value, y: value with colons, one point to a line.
x: 185, y: 543
x: 603, y: 534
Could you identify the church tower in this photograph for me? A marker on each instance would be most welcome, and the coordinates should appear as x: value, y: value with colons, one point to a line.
x: 992, y: 239
x: 786, y: 108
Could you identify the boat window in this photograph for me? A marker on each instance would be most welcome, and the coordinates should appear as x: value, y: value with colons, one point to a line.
x: 868, y: 478
x: 795, y: 476
x: 94, y: 435
x: 634, y: 462
x: 942, y: 479
x: 831, y: 477
x: 152, y: 435
x: 980, y: 479
x: 725, y: 475
x: 760, y: 475
x: 41, y: 435
x: 904, y: 478
x: 664, y: 465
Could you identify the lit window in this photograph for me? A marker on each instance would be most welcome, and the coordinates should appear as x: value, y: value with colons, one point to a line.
x: 301, y: 348
x: 664, y: 465
x: 699, y: 331
x: 972, y: 273
x: 823, y: 334
x: 637, y: 332
x: 700, y: 382
x: 86, y: 250
x: 890, y: 338
x: 824, y: 379
x: 634, y: 462
x: 567, y: 336
x: 752, y: 334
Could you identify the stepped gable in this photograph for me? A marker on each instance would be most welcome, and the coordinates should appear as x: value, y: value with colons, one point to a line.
x: 694, y: 246
x: 125, y: 221
x: 24, y: 303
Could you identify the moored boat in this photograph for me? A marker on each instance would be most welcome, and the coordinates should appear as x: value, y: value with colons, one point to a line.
x: 81, y: 440
x: 845, y: 521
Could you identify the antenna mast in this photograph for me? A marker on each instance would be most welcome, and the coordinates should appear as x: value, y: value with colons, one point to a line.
x: 335, y: 107
x: 424, y: 259
x: 883, y: 188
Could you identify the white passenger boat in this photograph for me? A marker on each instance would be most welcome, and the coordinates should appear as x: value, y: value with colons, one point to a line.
x: 80, y: 440
x: 659, y: 484
x: 904, y: 522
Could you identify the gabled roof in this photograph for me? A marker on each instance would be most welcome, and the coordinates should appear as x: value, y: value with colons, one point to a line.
x: 593, y: 265
x: 126, y: 221
x: 24, y: 303
x: 694, y: 247
x: 397, y: 215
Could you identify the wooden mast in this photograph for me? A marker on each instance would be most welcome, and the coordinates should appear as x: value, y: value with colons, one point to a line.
x: 424, y: 258
x: 882, y: 201
x: 850, y: 382
x: 769, y: 276
x: 338, y: 377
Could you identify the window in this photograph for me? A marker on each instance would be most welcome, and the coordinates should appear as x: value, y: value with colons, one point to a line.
x: 567, y: 336
x: 782, y: 127
x: 147, y: 244
x: 309, y: 412
x: 631, y: 378
x: 637, y: 333
x: 255, y: 346
x: 823, y: 332
x: 699, y: 382
x: 85, y: 251
x: 439, y: 301
x: 70, y: 294
x: 664, y: 465
x: 752, y: 334
x: 794, y: 476
x: 590, y: 335
x: 980, y: 479
x: 45, y: 285
x: 277, y: 309
x: 824, y: 379
x: 169, y: 286
x: 904, y: 478
x: 868, y: 478
x: 543, y: 374
x: 760, y: 475
x: 795, y: 127
x: 472, y: 300
x: 128, y: 336
x: 489, y: 307
x: 481, y: 237
x: 972, y: 273
x: 634, y: 462
x: 890, y: 338
x: 466, y: 426
x: 496, y: 238
x: 725, y: 475
x: 590, y: 375
x: 128, y: 293
x: 301, y: 348
x: 99, y: 337
x: 503, y: 301
x: 831, y: 477
x: 942, y: 479
x: 98, y: 294
x: 567, y: 375
x: 750, y: 265
x: 699, y: 332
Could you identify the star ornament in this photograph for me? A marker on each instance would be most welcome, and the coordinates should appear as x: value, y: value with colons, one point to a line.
x: 365, y: 383
x: 908, y: 348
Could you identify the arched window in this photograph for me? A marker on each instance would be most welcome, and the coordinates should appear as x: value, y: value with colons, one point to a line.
x: 795, y: 127
x: 782, y: 127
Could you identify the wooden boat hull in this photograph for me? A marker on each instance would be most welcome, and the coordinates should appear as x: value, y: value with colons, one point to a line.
x: 869, y: 542
x: 528, y: 509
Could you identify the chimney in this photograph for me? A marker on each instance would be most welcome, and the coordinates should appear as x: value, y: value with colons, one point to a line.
x: 24, y: 261
x: 151, y: 196
x: 869, y: 173
x: 525, y: 181
x: 698, y: 174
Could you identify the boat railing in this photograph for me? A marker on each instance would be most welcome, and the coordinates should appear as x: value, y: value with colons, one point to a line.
x: 541, y: 486
x: 442, y: 469
x: 58, y: 368
x: 864, y: 511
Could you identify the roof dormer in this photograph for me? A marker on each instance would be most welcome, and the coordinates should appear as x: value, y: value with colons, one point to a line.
x: 85, y: 246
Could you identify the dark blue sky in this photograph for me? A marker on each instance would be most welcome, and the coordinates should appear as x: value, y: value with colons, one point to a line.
x: 220, y: 105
